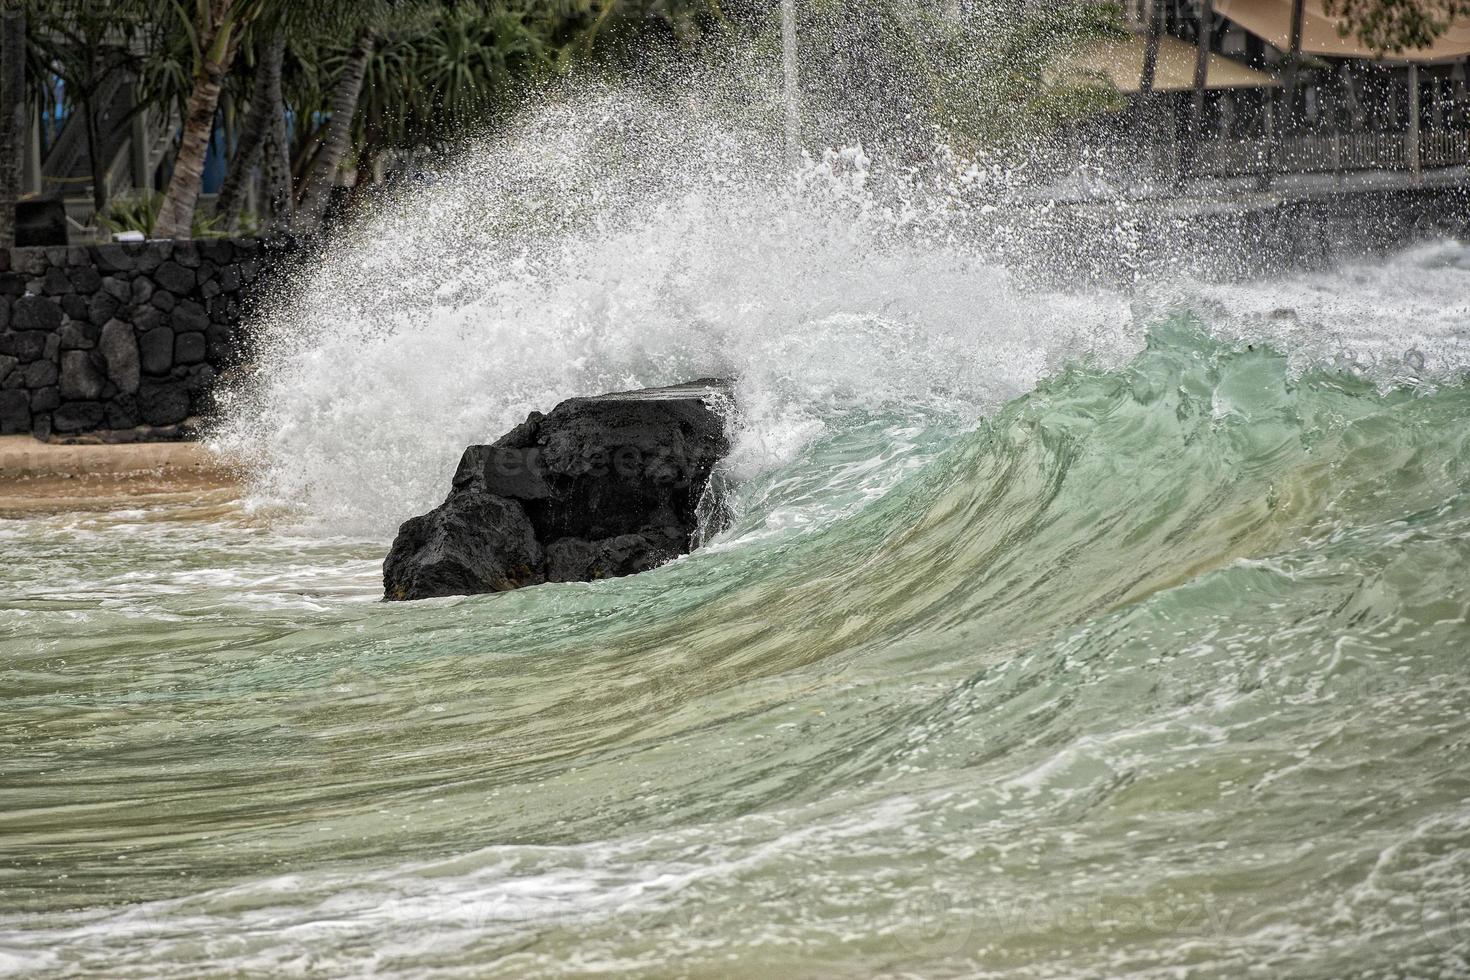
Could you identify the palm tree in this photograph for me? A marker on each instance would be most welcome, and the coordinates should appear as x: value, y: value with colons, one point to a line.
x: 415, y: 73
x: 263, y: 135
x: 337, y: 138
x: 12, y: 114
x: 431, y: 76
x: 266, y: 105
x: 1202, y: 62
x: 214, y: 29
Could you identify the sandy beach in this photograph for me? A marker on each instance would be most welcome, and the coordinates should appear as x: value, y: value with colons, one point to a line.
x: 38, y: 477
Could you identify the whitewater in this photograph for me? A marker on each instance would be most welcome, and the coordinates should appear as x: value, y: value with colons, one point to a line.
x: 1058, y: 629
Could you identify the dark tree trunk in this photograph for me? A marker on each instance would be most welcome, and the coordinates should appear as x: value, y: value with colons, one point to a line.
x: 278, y: 197
x: 265, y: 105
x: 1143, y: 97
x: 1285, y: 121
x: 337, y: 139
x: 1151, y: 50
x: 96, y: 163
x: 176, y: 216
x: 1293, y: 63
x: 1201, y: 79
x: 1143, y: 100
x: 12, y: 116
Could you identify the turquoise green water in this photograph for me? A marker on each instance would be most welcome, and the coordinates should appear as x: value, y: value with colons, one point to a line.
x: 1155, y: 670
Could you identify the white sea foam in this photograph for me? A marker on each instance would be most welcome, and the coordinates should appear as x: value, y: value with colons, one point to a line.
x: 609, y: 242
x: 560, y: 261
x: 1404, y: 317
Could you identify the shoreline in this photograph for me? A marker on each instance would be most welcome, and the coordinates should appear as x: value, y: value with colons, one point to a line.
x: 49, y: 478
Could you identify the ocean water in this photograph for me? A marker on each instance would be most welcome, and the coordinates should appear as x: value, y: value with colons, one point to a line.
x: 1083, y: 632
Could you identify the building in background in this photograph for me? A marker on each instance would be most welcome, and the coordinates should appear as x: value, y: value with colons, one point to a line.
x: 1229, y: 97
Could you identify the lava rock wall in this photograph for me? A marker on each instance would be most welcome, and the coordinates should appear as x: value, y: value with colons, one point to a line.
x: 123, y: 342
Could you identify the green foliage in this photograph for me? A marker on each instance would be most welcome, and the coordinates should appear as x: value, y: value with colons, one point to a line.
x: 449, y: 71
x: 988, y: 71
x: 976, y: 72
x: 1391, y: 26
x: 439, y: 70
x: 139, y: 212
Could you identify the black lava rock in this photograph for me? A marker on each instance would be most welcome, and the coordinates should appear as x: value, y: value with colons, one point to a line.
x: 189, y: 317
x: 15, y: 412
x: 35, y: 313
x: 78, y: 335
x: 157, y: 349
x: 85, y: 279
x: 75, y: 307
x: 25, y: 345
x: 119, y: 347
x: 221, y: 340
x: 163, y: 404
x: 77, y: 417
x: 175, y: 278
x: 189, y: 348
x: 477, y: 543
x: 122, y: 412
x: 112, y: 258
x: 45, y: 399
x: 42, y: 374
x: 56, y: 282
x: 102, y: 307
x: 600, y: 487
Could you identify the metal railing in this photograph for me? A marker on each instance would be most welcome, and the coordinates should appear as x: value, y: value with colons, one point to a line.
x: 1330, y: 153
x: 1444, y: 148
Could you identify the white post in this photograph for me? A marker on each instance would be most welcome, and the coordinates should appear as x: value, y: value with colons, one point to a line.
x: 31, y: 182
x: 1411, y: 145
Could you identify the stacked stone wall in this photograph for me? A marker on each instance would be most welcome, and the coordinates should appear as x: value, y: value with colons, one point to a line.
x: 124, y: 341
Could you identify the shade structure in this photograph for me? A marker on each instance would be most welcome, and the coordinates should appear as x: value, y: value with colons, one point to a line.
x: 1120, y: 62
x: 1270, y: 20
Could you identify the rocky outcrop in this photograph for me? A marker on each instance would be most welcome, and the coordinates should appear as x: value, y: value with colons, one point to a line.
x: 598, y: 488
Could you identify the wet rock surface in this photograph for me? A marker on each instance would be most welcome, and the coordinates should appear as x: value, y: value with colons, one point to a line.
x: 600, y: 487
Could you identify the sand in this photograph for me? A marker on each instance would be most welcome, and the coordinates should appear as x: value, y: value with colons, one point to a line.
x: 40, y: 478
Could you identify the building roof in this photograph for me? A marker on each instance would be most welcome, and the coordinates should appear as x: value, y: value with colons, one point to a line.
x: 1120, y: 62
x: 1270, y: 20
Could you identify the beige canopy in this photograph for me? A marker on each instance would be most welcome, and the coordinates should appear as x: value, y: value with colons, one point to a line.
x: 1120, y: 61
x: 1270, y: 20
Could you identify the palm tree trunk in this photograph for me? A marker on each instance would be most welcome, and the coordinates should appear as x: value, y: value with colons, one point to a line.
x: 307, y: 146
x: 1201, y: 79
x: 176, y: 215
x: 1151, y: 50
x: 265, y: 102
x: 95, y: 162
x: 1202, y: 61
x: 323, y: 176
x: 1287, y: 121
x: 278, y: 197
x: 1143, y: 99
x: 12, y: 115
